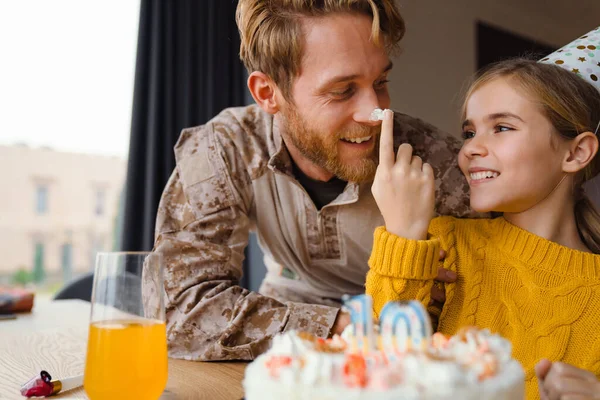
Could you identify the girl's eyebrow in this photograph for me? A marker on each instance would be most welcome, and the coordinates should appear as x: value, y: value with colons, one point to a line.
x: 500, y: 115
x: 495, y: 116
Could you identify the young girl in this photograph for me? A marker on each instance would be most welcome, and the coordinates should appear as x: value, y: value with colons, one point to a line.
x: 532, y: 275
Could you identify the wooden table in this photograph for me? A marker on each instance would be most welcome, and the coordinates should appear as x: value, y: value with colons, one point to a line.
x: 54, y: 337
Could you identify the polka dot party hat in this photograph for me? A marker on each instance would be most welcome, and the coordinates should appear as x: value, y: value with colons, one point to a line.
x: 581, y: 56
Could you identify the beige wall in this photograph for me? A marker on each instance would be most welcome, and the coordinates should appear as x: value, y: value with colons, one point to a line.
x: 439, y: 49
x: 72, y: 181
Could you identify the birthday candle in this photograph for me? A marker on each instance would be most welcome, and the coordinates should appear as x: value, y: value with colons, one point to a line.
x: 361, y: 315
x: 421, y: 338
x: 395, y: 328
x: 404, y: 325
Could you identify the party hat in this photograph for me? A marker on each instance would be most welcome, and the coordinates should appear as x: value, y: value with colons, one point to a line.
x: 581, y: 56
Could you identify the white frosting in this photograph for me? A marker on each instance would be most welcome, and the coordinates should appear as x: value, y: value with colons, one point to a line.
x: 421, y: 371
x: 289, y: 345
x: 451, y: 370
x: 319, y: 370
x: 377, y: 114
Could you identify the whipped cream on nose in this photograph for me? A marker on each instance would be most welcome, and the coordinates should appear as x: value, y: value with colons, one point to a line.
x: 377, y: 114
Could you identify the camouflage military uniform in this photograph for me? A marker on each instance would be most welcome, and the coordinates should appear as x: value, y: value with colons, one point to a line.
x: 234, y: 175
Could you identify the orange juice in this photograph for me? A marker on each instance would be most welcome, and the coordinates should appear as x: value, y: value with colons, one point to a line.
x: 126, y: 359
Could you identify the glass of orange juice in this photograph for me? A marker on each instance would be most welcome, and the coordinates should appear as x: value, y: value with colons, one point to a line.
x: 127, y: 342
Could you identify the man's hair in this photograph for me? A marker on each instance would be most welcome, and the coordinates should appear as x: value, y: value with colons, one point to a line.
x: 272, y: 39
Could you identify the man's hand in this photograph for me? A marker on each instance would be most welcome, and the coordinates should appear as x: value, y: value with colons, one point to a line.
x: 438, y: 295
x: 404, y: 187
x: 341, y: 322
x: 561, y: 381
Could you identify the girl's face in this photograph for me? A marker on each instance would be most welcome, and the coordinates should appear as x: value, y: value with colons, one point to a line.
x: 507, y: 156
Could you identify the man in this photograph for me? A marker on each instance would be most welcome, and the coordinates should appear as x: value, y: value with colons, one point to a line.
x: 296, y: 168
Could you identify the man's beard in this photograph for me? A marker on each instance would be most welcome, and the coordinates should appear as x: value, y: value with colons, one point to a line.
x: 322, y: 148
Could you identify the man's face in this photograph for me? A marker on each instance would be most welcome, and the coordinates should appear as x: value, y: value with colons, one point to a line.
x: 343, y: 77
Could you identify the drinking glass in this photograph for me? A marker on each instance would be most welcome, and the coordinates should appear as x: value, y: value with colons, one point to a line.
x: 127, y: 342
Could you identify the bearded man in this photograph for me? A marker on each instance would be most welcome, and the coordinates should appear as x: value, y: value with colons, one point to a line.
x: 296, y: 168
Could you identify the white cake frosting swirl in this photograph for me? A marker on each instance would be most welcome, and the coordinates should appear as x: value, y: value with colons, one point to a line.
x: 473, y: 364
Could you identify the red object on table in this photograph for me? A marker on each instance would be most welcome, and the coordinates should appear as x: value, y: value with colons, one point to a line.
x: 39, y: 386
x: 14, y: 300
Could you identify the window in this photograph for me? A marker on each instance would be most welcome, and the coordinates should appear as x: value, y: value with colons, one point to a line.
x: 41, y: 199
x: 39, y: 274
x: 100, y: 198
x: 66, y: 176
x: 66, y: 261
x: 96, y: 245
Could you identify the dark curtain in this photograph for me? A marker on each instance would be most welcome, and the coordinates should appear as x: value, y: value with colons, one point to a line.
x: 495, y: 43
x: 187, y: 71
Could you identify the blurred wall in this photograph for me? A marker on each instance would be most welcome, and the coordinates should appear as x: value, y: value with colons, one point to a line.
x: 439, y: 49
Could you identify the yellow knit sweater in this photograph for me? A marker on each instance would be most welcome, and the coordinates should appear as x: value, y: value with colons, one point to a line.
x: 543, y: 297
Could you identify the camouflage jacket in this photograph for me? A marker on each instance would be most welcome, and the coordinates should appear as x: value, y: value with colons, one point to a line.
x: 234, y: 175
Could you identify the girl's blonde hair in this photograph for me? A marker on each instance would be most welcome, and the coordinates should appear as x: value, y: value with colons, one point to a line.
x: 572, y: 105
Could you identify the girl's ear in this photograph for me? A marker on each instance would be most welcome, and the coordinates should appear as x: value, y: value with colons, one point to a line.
x: 581, y: 152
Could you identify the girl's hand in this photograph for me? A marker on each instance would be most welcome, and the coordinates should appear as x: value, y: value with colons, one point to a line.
x: 561, y: 381
x: 404, y: 186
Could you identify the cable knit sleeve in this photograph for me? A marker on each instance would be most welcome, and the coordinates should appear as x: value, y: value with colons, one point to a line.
x: 402, y: 269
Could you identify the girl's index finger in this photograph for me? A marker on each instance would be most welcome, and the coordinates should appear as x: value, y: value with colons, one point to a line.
x: 386, y: 140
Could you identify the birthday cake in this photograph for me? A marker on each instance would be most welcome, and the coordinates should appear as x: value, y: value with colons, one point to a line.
x: 401, y: 360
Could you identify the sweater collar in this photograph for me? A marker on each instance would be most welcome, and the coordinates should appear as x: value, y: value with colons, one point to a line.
x: 545, y: 254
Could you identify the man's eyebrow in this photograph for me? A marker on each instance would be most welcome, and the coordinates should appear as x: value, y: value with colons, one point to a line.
x: 345, y: 78
x: 388, y: 67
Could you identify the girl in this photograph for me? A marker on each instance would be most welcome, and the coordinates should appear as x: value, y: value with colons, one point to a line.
x: 532, y: 275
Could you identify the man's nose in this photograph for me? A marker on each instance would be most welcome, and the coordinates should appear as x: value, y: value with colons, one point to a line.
x: 365, y: 107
